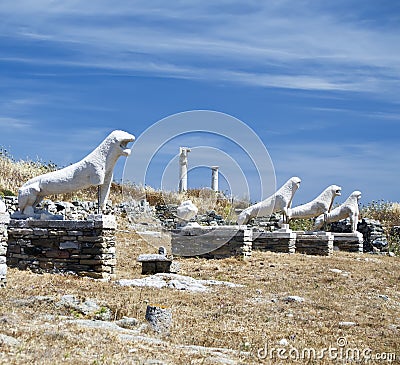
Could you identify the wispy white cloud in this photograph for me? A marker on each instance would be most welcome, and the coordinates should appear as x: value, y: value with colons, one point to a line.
x: 262, y: 44
x: 14, y: 123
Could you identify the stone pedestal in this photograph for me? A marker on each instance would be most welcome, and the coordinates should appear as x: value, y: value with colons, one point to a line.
x: 154, y: 264
x: 4, y: 221
x: 350, y: 242
x: 315, y: 243
x: 86, y: 248
x: 212, y: 242
x: 282, y: 240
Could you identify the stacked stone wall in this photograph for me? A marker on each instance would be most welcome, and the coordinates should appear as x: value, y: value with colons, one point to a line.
x: 213, y: 242
x: 4, y: 219
x: 86, y: 248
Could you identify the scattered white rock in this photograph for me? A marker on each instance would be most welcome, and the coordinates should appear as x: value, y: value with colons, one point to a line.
x: 341, y: 272
x: 218, y: 282
x: 109, y: 326
x: 127, y: 322
x: 97, y: 324
x: 186, y: 211
x: 150, y: 281
x: 139, y: 338
x: 154, y: 362
x: 87, y: 307
x: 32, y: 300
x: 347, y: 324
x: 175, y: 281
x: 391, y: 254
x: 150, y: 233
x: 284, y: 342
x: 186, y: 285
x: 293, y: 298
x: 8, y: 340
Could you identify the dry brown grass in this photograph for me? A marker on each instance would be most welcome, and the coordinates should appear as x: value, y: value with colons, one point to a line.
x: 244, y: 318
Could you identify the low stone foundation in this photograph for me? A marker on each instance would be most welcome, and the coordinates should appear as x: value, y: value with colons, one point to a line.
x: 350, y: 242
x: 86, y: 248
x: 212, y: 242
x: 315, y: 243
x: 4, y: 220
x: 282, y: 240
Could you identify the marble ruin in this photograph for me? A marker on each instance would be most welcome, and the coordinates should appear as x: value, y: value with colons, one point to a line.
x: 96, y: 169
x: 214, y: 178
x: 186, y: 211
x: 183, y: 168
x: 322, y: 204
x: 278, y: 202
x: 349, y: 209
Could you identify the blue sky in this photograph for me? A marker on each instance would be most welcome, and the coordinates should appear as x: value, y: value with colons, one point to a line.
x: 317, y: 81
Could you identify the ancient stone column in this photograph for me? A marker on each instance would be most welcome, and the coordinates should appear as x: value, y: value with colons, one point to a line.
x: 183, y: 168
x: 214, y: 178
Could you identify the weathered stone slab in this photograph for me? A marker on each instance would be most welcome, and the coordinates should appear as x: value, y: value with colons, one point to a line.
x: 315, y: 243
x: 276, y: 241
x: 212, y: 242
x: 350, y: 242
x: 152, y: 257
x: 69, y: 245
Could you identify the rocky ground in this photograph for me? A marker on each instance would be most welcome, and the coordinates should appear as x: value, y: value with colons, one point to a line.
x: 249, y: 308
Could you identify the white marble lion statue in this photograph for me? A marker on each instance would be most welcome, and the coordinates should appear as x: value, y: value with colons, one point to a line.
x: 278, y: 202
x: 95, y: 169
x: 349, y: 209
x: 320, y: 205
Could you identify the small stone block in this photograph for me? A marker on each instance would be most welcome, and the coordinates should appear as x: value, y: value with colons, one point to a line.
x: 69, y: 245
